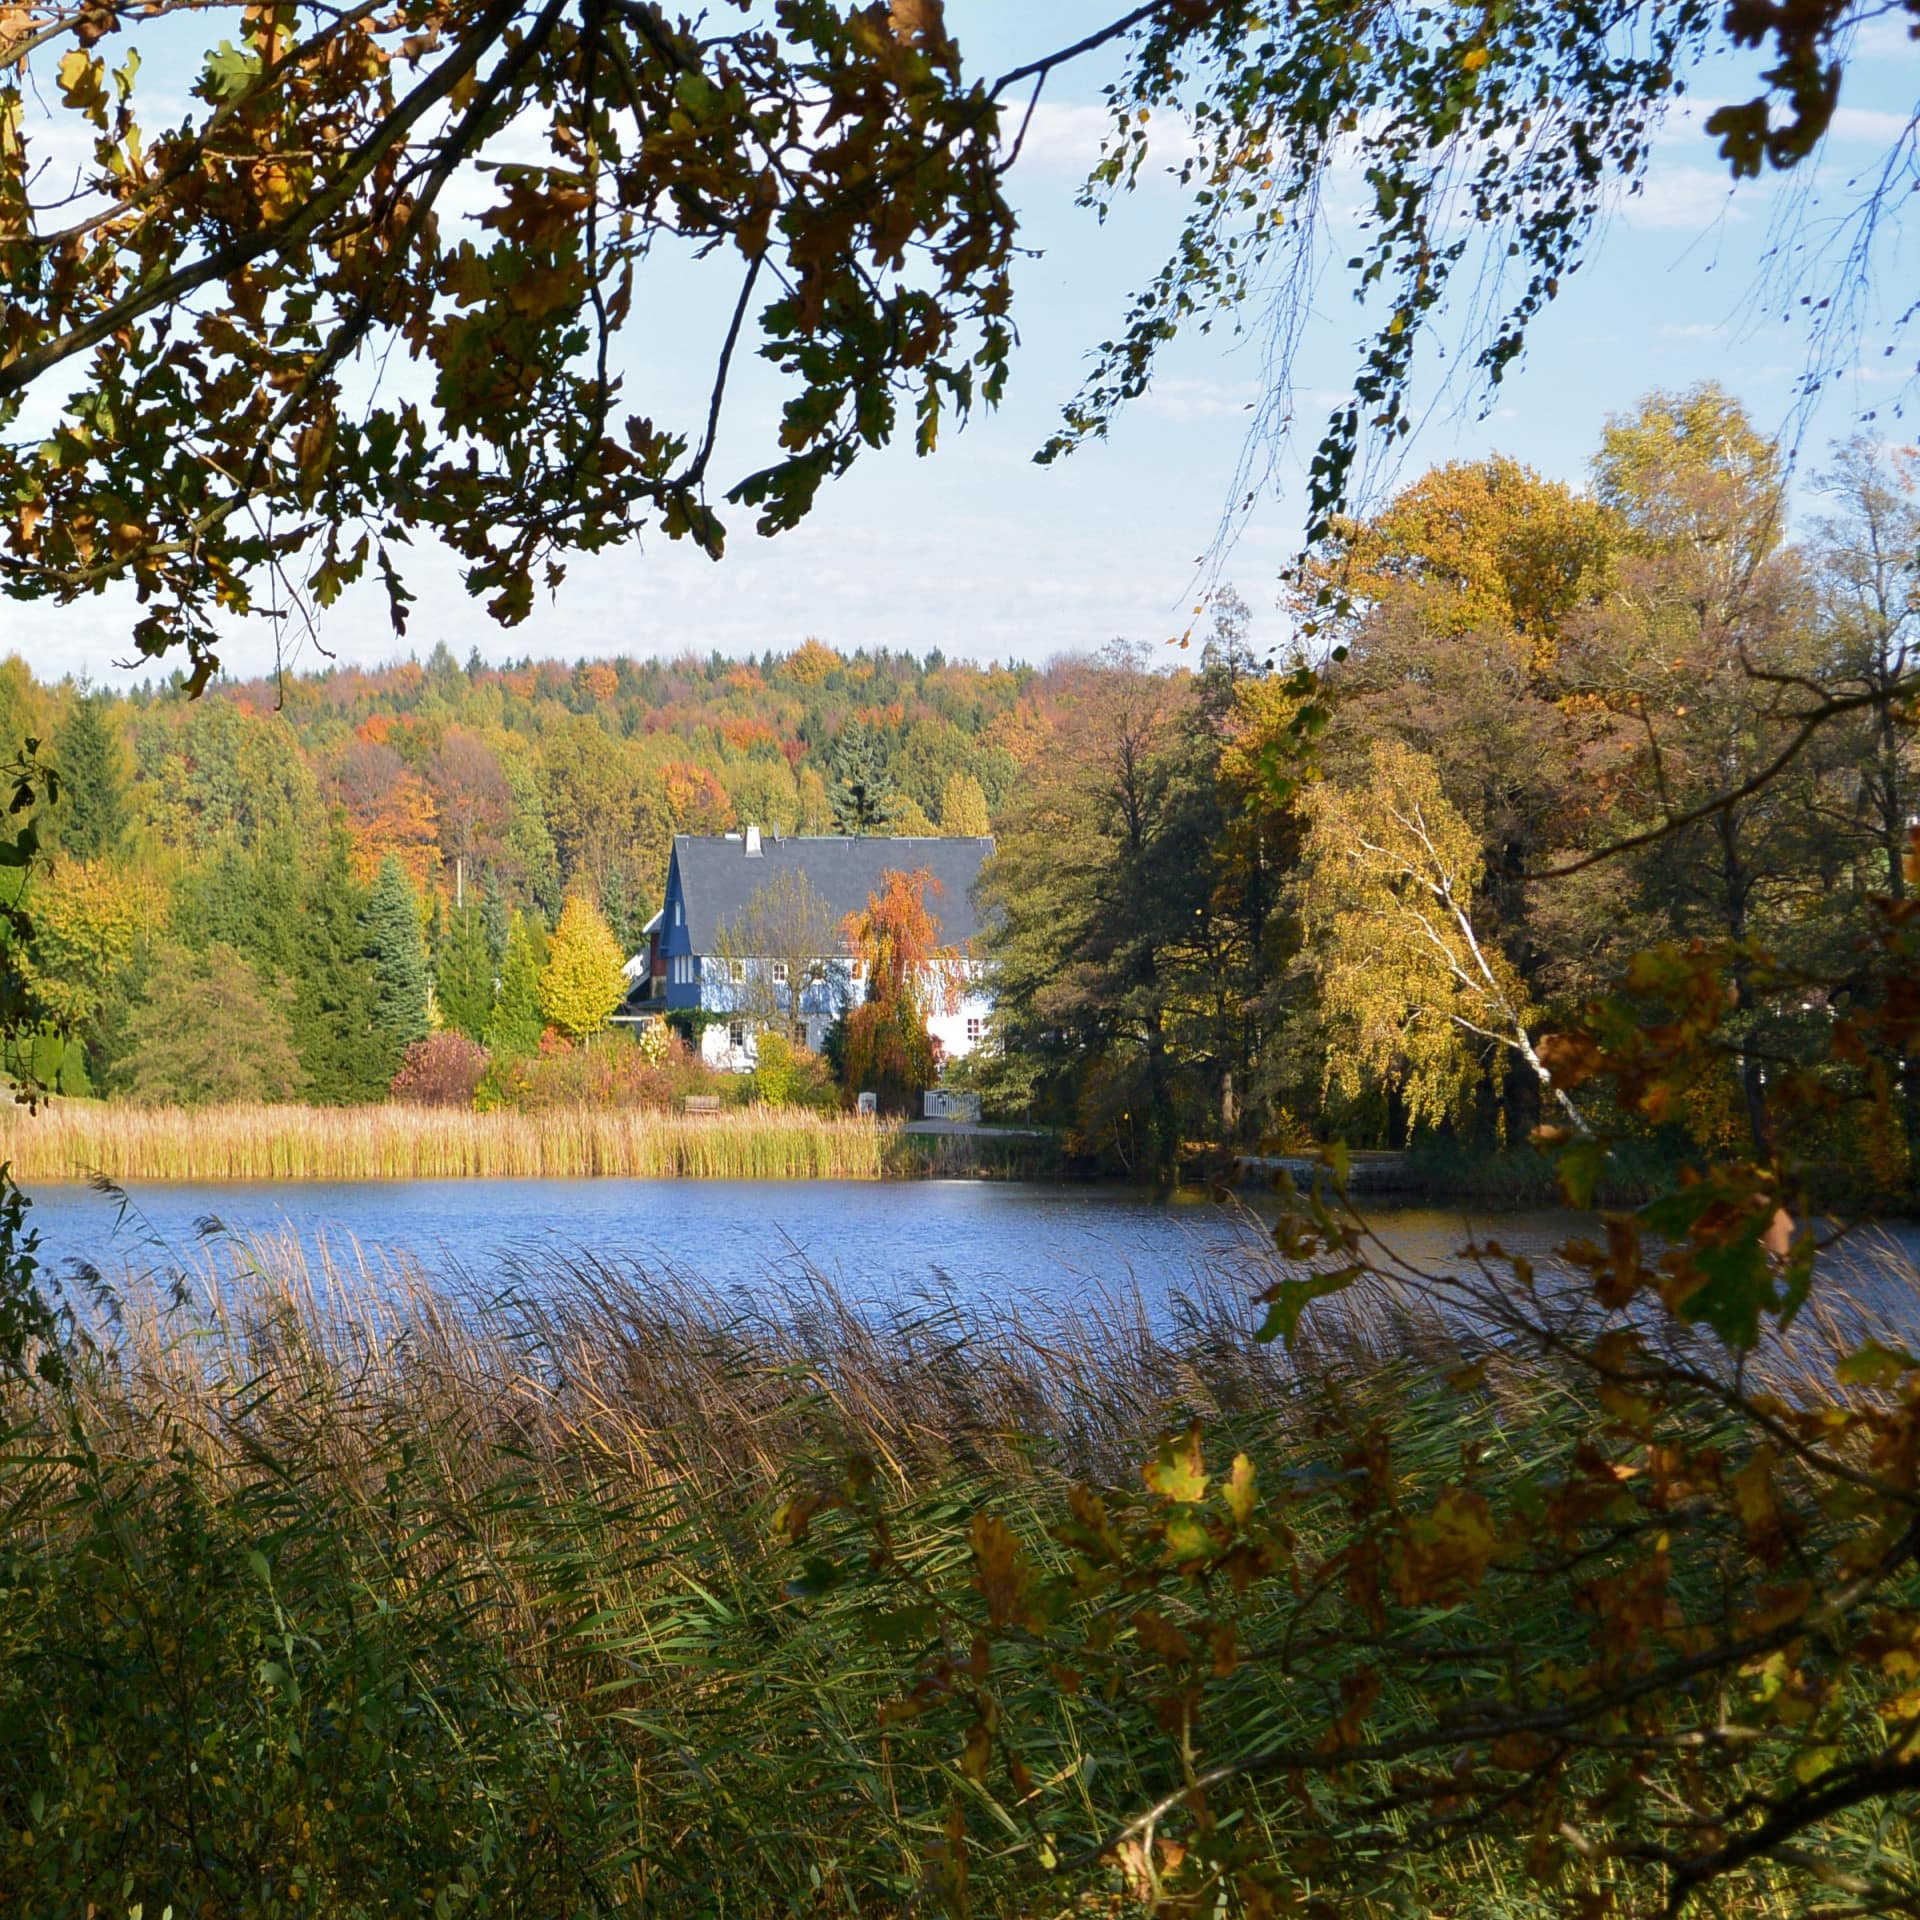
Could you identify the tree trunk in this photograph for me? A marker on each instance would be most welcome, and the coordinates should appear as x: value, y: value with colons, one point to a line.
x: 1163, y: 1128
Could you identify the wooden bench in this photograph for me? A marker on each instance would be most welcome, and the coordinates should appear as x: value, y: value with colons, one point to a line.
x: 702, y: 1103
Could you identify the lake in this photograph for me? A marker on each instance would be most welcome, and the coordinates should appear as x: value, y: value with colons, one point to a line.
x: 878, y: 1242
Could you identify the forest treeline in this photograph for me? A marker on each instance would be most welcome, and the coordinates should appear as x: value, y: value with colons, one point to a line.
x: 1218, y: 919
x: 1566, y: 735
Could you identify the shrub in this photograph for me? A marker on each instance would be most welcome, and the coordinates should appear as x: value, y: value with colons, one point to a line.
x: 785, y: 1075
x: 443, y: 1070
x: 615, y: 1072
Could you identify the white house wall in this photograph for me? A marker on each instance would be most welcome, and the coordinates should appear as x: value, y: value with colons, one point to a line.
x: 958, y: 1032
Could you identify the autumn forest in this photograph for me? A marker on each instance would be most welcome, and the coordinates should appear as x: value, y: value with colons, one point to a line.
x: 1209, y: 929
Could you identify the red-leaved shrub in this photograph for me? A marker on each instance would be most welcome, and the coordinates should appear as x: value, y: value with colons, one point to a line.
x: 440, y: 1071
x: 613, y: 1072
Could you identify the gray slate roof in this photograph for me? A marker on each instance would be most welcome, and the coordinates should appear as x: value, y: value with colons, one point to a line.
x: 718, y: 877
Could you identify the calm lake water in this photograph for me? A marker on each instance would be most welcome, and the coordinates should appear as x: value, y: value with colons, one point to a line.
x: 878, y: 1242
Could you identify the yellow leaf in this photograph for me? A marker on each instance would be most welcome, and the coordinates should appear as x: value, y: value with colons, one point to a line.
x: 1178, y: 1473
x: 1753, y: 1497
x: 998, y: 1575
x: 1239, y: 1490
x: 1874, y: 1365
x: 82, y: 82
x: 1474, y: 59
x: 1447, y: 1552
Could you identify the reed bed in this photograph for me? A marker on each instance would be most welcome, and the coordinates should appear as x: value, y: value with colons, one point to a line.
x: 333, y: 1586
x: 73, y: 1140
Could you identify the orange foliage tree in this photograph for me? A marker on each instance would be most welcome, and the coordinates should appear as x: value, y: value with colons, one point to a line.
x: 910, y: 973
x: 404, y: 823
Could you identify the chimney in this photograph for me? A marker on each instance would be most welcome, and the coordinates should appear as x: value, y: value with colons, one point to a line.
x: 753, y: 843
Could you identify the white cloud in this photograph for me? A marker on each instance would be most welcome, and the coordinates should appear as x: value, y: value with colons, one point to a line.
x: 1870, y: 125
x: 1065, y: 136
x: 1683, y: 200
x: 1188, y: 400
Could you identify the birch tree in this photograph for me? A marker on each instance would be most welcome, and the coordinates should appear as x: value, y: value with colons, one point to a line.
x: 1414, y: 997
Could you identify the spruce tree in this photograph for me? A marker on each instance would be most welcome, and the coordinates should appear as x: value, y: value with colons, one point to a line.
x: 494, y: 921
x: 517, y: 1022
x: 529, y: 838
x: 403, y: 1009
x: 464, y: 971
x: 620, y: 902
x: 345, y: 1055
x: 860, y: 790
x: 92, y: 817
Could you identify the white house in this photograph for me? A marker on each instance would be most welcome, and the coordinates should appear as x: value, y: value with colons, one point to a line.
x: 694, y: 961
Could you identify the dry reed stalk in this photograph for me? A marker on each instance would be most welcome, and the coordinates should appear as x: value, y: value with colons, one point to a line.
x: 71, y: 1140
x: 577, y: 1356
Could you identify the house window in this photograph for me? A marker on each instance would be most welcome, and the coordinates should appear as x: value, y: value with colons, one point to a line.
x: 859, y: 971
x: 679, y: 914
x: 737, y: 972
x: 736, y: 1034
x: 973, y: 1032
x: 779, y: 973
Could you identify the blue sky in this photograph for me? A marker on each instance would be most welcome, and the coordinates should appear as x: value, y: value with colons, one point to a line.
x: 981, y: 553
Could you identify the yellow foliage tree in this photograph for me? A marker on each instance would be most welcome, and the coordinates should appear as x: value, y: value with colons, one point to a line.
x: 963, y: 809
x: 581, y: 984
x: 1488, y: 545
x: 1413, y: 996
x: 87, y: 915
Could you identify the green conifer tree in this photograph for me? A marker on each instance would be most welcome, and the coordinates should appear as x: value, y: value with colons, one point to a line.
x: 92, y: 817
x: 860, y: 789
x: 403, y: 1010
x: 494, y: 921
x: 464, y: 970
x: 344, y: 1053
x: 529, y: 838
x: 620, y: 901
x: 517, y: 1022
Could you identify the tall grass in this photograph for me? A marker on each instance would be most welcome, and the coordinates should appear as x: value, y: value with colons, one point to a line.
x: 71, y: 1140
x: 336, y: 1589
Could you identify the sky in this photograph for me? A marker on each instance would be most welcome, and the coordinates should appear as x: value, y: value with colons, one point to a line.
x: 979, y: 552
